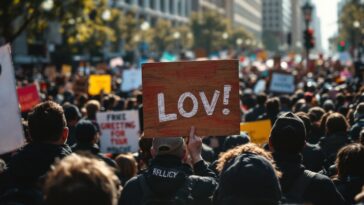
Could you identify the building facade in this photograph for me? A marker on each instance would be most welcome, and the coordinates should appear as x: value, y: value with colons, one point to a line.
x: 177, y: 11
x: 298, y: 26
x: 246, y: 14
x: 277, y: 21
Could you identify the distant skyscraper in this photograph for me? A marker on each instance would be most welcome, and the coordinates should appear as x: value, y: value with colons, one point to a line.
x: 246, y: 14
x: 277, y: 21
x: 297, y: 25
x: 316, y: 26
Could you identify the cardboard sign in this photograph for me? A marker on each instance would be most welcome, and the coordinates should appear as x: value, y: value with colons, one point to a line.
x: 204, y: 94
x: 258, y: 131
x: 66, y: 70
x: 28, y: 97
x: 132, y: 79
x: 119, y: 131
x: 11, y: 130
x: 282, y: 83
x: 97, y: 83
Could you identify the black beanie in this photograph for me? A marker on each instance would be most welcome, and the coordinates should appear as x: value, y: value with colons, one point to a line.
x: 288, y: 134
x: 249, y: 179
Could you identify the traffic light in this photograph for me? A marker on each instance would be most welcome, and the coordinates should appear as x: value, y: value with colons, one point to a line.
x: 341, y: 46
x: 309, y: 38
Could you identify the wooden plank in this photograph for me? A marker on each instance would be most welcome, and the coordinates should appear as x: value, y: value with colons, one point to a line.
x: 193, y: 80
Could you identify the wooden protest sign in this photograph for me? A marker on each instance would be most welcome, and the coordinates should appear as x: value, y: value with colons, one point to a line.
x: 178, y: 95
x: 98, y: 83
x: 28, y: 97
x: 258, y: 131
x: 11, y: 130
x: 282, y: 83
x: 119, y: 131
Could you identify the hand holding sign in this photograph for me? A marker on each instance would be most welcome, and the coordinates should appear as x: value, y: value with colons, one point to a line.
x: 202, y: 93
x: 194, y: 146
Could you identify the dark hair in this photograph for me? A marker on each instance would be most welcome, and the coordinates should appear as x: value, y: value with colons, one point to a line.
x: 315, y: 113
x: 46, y: 122
x: 349, y: 161
x: 273, y: 105
x: 336, y: 123
x: 261, y: 98
x: 306, y: 120
x: 85, y: 131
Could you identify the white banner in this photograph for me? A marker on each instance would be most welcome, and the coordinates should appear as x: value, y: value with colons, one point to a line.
x: 132, y: 79
x: 119, y: 131
x: 282, y: 83
x: 11, y: 131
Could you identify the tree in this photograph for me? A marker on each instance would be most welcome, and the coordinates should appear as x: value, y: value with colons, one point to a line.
x: 208, y: 27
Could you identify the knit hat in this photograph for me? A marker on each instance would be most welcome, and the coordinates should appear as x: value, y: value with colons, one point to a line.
x: 85, y: 131
x: 288, y: 134
x: 248, y: 179
x: 169, y: 146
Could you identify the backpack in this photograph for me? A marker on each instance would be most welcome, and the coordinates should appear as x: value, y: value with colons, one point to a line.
x: 181, y: 197
x: 295, y: 195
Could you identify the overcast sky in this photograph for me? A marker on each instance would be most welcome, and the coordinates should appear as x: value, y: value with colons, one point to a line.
x: 327, y: 11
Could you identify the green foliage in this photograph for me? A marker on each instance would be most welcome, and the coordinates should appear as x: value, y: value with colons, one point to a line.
x: 352, y: 11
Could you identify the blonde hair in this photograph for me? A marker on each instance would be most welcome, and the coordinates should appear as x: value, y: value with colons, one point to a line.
x: 127, y: 165
x: 79, y: 179
x: 225, y: 157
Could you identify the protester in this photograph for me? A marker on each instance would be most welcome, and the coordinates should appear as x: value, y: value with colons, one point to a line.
x: 48, y: 132
x: 258, y: 110
x: 73, y: 115
x: 358, y: 122
x: 168, y: 180
x: 79, y: 180
x: 87, y: 139
x: 350, y: 174
x: 273, y: 109
x: 127, y: 166
x: 335, y: 138
x: 287, y: 139
x: 315, y: 114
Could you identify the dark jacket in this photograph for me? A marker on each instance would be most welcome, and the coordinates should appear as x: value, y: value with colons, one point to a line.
x: 349, y: 187
x: 320, y: 190
x: 313, y: 158
x: 26, y: 171
x: 330, y: 145
x: 202, y: 187
x: 356, y: 129
x: 94, y: 150
x: 254, y: 113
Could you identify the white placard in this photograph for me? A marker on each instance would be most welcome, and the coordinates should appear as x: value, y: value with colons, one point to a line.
x: 282, y: 83
x: 11, y: 131
x: 132, y: 79
x: 119, y: 131
x: 259, y: 86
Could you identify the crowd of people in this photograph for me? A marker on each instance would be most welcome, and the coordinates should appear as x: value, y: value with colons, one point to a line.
x: 314, y: 154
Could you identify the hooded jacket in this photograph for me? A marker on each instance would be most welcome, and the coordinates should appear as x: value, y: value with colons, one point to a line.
x: 320, y: 190
x: 166, y: 175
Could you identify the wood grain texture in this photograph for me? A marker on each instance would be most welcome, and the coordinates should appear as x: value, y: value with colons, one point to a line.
x: 173, y: 79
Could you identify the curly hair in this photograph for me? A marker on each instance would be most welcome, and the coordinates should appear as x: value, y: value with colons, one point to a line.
x: 225, y: 157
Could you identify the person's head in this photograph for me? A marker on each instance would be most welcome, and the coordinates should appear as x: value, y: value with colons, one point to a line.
x: 336, y: 123
x: 328, y: 105
x: 47, y: 123
x: 306, y: 120
x: 308, y: 97
x: 315, y: 114
x: 172, y: 146
x: 127, y: 165
x: 349, y: 161
x: 235, y: 140
x: 273, y: 105
x: 86, y: 132
x: 261, y: 99
x: 92, y: 107
x: 288, y: 134
x: 79, y: 180
x: 242, y: 170
x: 72, y: 114
x: 340, y: 99
x: 359, y: 111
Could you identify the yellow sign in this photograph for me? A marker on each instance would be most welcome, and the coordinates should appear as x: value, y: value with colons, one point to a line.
x: 66, y: 70
x: 258, y: 131
x: 97, y: 83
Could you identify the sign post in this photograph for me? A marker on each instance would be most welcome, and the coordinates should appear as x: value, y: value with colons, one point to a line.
x: 178, y: 95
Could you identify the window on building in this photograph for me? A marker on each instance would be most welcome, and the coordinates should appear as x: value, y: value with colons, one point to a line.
x: 162, y: 6
x: 171, y: 7
x: 128, y: 1
x: 151, y: 4
x: 141, y: 3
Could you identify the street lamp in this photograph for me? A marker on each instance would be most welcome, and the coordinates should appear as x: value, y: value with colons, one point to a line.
x: 239, y: 41
x: 176, y: 35
x: 356, y: 24
x: 145, y: 26
x: 225, y: 35
x: 47, y: 5
x: 106, y: 15
x: 307, y: 15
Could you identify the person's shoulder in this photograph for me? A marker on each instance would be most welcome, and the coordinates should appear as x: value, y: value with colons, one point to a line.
x: 202, y: 186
